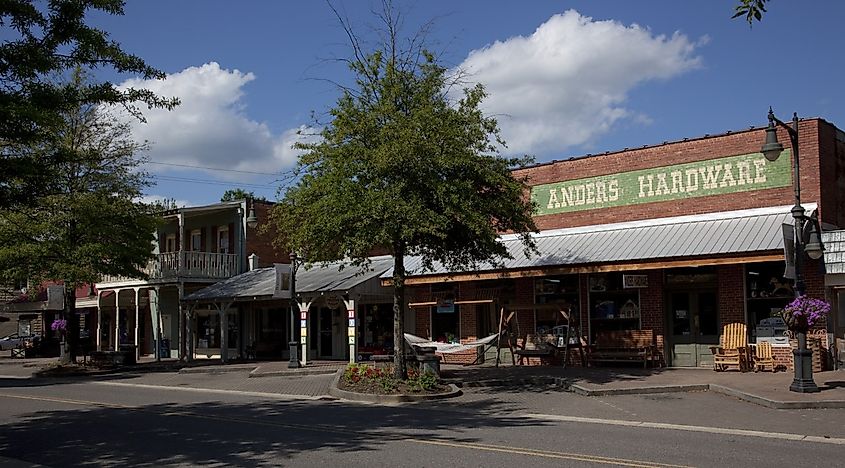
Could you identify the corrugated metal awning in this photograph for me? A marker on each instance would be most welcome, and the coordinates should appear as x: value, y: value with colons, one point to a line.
x: 260, y: 283
x: 723, y: 234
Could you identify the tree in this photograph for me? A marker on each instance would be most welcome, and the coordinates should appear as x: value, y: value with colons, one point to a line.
x: 239, y: 194
x: 90, y: 223
x: 751, y: 9
x: 402, y: 166
x: 42, y: 41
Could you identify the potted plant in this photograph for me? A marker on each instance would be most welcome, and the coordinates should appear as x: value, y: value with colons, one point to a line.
x: 800, y: 315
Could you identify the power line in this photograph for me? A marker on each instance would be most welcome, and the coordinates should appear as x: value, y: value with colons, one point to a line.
x: 212, y: 182
x: 191, y: 166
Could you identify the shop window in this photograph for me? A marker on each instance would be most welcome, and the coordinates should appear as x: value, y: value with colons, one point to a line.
x: 445, y: 322
x: 552, y: 295
x: 208, y: 331
x: 767, y: 293
x: 612, y: 307
x: 375, y: 334
x: 24, y: 327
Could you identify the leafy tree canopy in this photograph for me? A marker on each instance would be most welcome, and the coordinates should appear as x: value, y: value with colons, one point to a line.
x: 751, y: 10
x: 401, y: 166
x: 239, y: 194
x: 42, y: 43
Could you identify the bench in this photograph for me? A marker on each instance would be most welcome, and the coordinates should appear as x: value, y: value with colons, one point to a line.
x: 539, y: 346
x: 624, y: 346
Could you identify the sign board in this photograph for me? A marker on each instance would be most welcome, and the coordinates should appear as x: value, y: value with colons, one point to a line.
x: 282, y: 290
x: 446, y: 306
x: 634, y: 281
x: 733, y: 174
x: 333, y: 301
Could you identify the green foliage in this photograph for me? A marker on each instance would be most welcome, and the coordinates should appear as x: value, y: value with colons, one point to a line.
x: 165, y: 204
x: 751, y: 9
x: 87, y: 221
x: 421, y: 382
x: 239, y: 194
x: 42, y: 43
x: 371, y: 376
x: 404, y: 167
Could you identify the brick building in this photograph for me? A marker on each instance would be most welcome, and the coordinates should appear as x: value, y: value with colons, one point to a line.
x: 679, y: 238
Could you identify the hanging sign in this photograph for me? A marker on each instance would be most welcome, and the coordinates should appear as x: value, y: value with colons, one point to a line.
x: 634, y: 281
x: 282, y: 289
x: 332, y: 301
x: 446, y: 306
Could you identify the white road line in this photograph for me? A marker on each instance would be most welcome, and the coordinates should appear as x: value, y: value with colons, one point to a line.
x: 683, y: 427
x: 275, y: 396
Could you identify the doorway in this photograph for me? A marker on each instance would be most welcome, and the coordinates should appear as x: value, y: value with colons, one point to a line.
x: 694, y: 326
x: 329, y: 331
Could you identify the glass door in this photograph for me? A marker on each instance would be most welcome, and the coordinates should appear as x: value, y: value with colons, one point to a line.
x: 694, y: 326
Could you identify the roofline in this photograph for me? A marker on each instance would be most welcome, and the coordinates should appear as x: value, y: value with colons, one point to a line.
x: 706, y: 136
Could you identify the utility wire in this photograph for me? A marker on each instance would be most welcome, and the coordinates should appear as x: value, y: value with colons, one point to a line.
x: 211, y: 182
x: 191, y: 166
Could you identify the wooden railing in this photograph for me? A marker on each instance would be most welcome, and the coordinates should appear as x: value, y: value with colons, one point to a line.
x: 171, y: 265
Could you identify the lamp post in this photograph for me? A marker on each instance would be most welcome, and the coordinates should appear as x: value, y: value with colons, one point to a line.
x: 772, y: 148
x: 294, y: 330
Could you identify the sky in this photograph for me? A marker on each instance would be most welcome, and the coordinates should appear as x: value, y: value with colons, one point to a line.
x: 564, y: 78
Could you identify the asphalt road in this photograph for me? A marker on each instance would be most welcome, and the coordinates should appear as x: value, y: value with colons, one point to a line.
x: 52, y: 423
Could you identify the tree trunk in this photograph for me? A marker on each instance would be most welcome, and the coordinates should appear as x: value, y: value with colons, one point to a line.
x: 399, y: 311
x: 72, y: 331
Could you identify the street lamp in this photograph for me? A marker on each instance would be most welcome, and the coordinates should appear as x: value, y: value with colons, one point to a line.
x: 294, y: 312
x: 772, y: 148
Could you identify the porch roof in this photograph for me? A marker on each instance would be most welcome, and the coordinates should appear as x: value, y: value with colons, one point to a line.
x: 723, y: 234
x: 259, y: 284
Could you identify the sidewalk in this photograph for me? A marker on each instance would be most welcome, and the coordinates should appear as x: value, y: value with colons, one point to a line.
x: 764, y: 388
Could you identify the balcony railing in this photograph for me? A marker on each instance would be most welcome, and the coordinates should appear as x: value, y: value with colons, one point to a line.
x: 200, y: 265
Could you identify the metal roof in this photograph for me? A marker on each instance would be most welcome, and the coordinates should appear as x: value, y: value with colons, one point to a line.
x: 260, y: 283
x: 723, y: 233
x: 834, y: 251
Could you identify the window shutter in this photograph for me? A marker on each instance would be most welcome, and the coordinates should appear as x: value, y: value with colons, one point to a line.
x: 203, y: 244
x: 215, y: 247
x: 176, y: 247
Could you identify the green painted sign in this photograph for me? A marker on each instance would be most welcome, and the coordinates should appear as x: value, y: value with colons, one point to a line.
x: 733, y: 174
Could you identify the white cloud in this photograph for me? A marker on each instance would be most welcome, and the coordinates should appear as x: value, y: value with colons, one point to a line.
x: 210, y: 127
x: 567, y: 83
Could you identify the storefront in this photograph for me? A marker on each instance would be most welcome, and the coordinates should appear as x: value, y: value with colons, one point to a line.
x: 681, y: 239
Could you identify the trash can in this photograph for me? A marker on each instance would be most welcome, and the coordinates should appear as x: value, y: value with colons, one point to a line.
x: 128, y: 352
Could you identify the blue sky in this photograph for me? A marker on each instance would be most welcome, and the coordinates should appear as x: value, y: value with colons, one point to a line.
x: 565, y: 78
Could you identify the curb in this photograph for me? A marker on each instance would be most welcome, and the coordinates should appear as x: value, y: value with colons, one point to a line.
x: 581, y: 390
x: 257, y: 373
x: 720, y: 389
x: 214, y: 370
x: 353, y: 396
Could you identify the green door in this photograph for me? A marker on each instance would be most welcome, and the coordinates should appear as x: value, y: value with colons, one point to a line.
x: 694, y: 325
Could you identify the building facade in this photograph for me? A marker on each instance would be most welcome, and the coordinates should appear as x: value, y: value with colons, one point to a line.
x: 196, y: 247
x: 679, y: 238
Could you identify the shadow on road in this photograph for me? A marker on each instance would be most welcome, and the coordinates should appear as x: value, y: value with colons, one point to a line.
x: 232, y: 434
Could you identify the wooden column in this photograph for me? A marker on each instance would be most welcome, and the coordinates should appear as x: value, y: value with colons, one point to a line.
x: 303, y: 329
x: 224, y: 331
x: 155, y: 317
x: 99, y: 321
x: 351, y: 319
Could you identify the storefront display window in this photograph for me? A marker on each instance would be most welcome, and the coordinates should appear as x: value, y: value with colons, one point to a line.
x: 375, y: 333
x: 551, y: 295
x: 612, y: 307
x: 767, y: 293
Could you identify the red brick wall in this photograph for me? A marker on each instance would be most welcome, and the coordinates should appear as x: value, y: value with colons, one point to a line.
x: 260, y: 242
x: 731, y: 294
x: 692, y: 150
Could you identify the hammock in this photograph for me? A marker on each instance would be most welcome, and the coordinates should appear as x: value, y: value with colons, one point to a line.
x: 448, y: 347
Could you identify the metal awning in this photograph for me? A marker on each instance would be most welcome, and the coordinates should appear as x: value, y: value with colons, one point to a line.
x: 741, y: 233
x: 259, y: 284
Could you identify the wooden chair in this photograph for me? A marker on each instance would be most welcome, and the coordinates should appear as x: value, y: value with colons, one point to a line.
x: 733, y: 350
x: 763, y: 357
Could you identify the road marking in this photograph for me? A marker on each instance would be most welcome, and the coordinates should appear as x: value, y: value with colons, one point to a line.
x: 688, y: 428
x: 547, y: 454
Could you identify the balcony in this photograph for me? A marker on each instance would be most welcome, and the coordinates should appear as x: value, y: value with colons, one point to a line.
x: 186, y: 265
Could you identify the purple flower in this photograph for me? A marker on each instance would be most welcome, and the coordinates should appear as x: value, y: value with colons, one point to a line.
x: 803, y: 313
x: 59, y: 325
